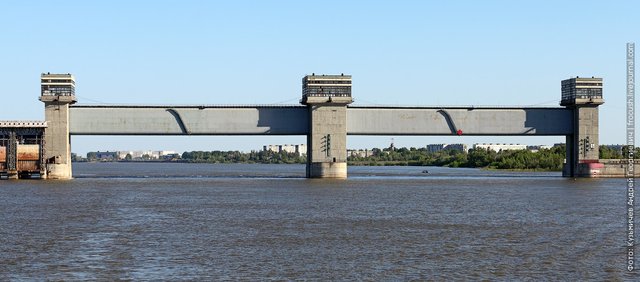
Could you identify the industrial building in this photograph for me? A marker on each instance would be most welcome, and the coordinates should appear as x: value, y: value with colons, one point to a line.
x: 21, y: 145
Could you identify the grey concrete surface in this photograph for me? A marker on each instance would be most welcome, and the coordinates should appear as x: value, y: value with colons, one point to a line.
x: 132, y: 120
x: 447, y: 121
x: 294, y: 120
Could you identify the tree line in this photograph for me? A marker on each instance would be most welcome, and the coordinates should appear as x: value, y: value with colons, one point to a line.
x: 544, y: 159
x: 263, y: 157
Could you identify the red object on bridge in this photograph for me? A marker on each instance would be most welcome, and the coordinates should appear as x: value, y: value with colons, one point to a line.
x: 459, y: 132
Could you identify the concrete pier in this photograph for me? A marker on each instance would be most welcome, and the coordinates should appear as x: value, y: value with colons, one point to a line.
x: 327, y: 98
x: 58, y: 92
x: 583, y: 96
x: 327, y: 140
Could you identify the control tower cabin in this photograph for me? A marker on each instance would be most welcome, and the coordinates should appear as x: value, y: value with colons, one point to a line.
x: 57, y: 93
x: 583, y: 95
x: 327, y: 97
x: 57, y: 85
x: 326, y: 88
x: 576, y: 91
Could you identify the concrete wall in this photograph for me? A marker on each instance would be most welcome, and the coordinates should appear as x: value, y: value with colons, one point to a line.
x: 147, y: 120
x: 446, y: 121
x: 618, y: 168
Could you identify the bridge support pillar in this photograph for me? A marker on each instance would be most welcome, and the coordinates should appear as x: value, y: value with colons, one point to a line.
x: 58, y: 92
x: 57, y: 145
x: 583, y: 152
x: 327, y: 141
x: 327, y: 98
x: 583, y: 96
x: 12, y: 156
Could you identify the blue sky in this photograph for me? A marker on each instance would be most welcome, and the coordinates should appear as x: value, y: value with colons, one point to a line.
x: 255, y: 52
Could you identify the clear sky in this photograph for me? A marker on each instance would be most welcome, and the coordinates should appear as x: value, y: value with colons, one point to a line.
x: 256, y: 52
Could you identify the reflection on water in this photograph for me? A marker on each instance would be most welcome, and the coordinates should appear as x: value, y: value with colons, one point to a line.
x: 250, y: 222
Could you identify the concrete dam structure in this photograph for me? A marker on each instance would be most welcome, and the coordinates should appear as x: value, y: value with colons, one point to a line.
x: 326, y: 118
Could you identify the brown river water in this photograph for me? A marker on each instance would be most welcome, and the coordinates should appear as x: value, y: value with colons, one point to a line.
x: 164, y: 221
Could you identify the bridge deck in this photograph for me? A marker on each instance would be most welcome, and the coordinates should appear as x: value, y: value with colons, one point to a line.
x: 293, y: 120
x: 187, y: 120
x: 469, y: 120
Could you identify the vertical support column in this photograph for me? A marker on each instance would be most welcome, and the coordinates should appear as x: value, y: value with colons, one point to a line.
x: 570, y: 157
x: 583, y: 146
x: 12, y: 156
x: 327, y: 97
x: 42, y: 162
x: 327, y: 141
x: 586, y: 141
x: 57, y: 93
x: 57, y: 145
x: 583, y: 96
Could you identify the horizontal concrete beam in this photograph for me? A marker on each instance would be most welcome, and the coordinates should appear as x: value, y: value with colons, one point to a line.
x: 293, y: 120
x: 188, y: 120
x: 447, y: 121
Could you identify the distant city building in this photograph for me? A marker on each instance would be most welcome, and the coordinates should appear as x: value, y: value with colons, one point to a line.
x: 300, y: 149
x: 360, y: 153
x: 162, y: 154
x: 536, y: 148
x: 581, y: 90
x: 433, y: 148
x: 152, y: 155
x: 617, y: 148
x: 497, y: 147
x: 57, y: 84
x: 439, y: 147
x: 102, y: 156
x: 456, y: 147
x: 174, y: 156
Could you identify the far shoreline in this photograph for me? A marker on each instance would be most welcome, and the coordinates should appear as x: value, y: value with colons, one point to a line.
x: 361, y: 164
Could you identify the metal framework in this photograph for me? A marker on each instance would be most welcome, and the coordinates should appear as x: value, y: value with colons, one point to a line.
x: 14, y: 134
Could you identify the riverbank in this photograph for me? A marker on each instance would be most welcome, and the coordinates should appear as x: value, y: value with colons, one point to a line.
x: 510, y: 160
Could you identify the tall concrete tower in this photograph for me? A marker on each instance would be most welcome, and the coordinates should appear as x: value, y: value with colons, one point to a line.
x: 57, y: 93
x: 583, y: 95
x: 327, y: 97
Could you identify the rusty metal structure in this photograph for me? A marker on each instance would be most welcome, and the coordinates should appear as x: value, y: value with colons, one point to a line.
x: 21, y: 149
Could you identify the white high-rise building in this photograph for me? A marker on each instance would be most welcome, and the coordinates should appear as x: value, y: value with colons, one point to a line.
x: 299, y: 149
